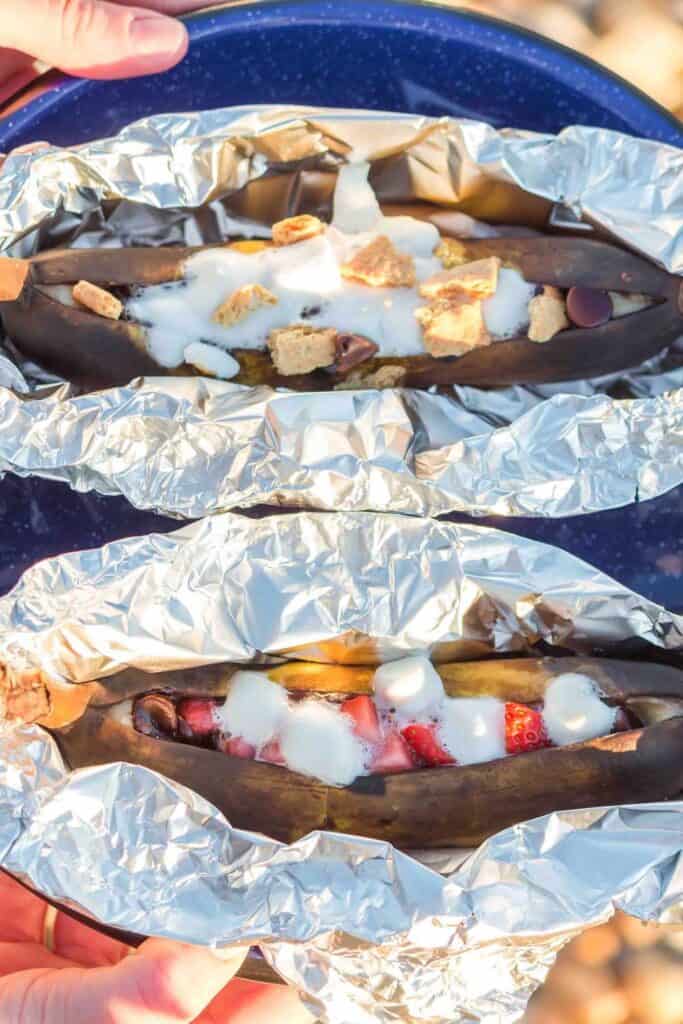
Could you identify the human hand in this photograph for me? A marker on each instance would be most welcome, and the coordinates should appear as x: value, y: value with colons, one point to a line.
x: 90, y: 978
x: 90, y: 38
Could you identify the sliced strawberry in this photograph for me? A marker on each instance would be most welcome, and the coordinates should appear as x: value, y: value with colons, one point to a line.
x: 365, y: 720
x: 272, y: 752
x: 235, y: 746
x: 524, y: 729
x: 393, y: 756
x: 424, y: 742
x: 199, y: 716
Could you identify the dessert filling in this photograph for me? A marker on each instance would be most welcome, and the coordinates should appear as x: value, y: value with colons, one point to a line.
x: 334, y: 296
x: 408, y: 722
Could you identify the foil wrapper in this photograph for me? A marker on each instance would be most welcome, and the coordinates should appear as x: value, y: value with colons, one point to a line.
x: 352, y: 588
x: 366, y: 932
x: 192, y: 448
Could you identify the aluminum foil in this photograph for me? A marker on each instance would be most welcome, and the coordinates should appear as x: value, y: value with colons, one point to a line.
x: 366, y: 933
x: 190, y: 448
x: 353, y: 588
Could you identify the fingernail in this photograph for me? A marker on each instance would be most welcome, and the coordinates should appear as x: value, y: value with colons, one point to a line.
x: 151, y: 34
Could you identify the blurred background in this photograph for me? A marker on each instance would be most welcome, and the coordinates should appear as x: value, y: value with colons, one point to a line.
x: 641, y: 40
x: 624, y: 972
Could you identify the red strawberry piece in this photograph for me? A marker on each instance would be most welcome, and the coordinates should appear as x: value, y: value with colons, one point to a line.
x: 235, y: 746
x: 272, y: 752
x: 524, y: 729
x: 198, y: 715
x: 365, y: 720
x: 424, y: 742
x: 393, y: 756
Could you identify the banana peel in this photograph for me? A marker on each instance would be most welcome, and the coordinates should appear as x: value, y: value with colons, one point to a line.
x: 448, y: 806
x: 94, y: 352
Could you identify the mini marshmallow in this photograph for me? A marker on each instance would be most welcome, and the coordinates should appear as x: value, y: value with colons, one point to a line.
x: 318, y: 740
x: 473, y: 729
x: 412, y: 686
x: 211, y: 360
x: 573, y: 710
x: 255, y: 707
x: 507, y: 312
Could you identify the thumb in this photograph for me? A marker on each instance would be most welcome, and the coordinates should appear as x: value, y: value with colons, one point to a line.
x: 163, y: 983
x: 93, y: 38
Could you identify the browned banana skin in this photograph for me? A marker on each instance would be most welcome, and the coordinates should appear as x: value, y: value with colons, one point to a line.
x: 94, y: 352
x: 456, y: 806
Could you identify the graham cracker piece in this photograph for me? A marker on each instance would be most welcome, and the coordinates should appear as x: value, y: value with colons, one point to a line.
x: 389, y: 376
x: 97, y: 300
x: 547, y: 314
x: 478, y: 278
x: 453, y: 326
x: 241, y: 303
x: 451, y: 252
x: 296, y: 229
x: 379, y: 264
x: 302, y: 348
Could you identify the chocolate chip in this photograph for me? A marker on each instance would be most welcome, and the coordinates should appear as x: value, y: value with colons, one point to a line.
x: 351, y: 350
x: 588, y: 307
x: 155, y: 715
x: 308, y: 311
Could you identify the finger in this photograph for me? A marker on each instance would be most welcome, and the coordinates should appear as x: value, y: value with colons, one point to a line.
x: 22, y: 919
x: 249, y: 1002
x: 24, y: 956
x: 23, y: 913
x: 171, y: 7
x: 85, y: 945
x: 164, y: 983
x: 93, y: 38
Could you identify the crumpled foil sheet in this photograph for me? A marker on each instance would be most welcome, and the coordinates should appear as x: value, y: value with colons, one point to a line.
x: 355, y: 588
x: 190, y: 448
x: 193, y: 447
x: 367, y: 933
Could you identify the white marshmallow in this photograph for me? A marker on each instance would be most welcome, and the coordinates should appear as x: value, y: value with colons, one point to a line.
x: 573, y: 710
x: 255, y: 707
x: 473, y: 729
x: 411, y: 685
x: 506, y: 313
x: 317, y: 739
x: 211, y: 360
x: 355, y: 203
x: 417, y: 237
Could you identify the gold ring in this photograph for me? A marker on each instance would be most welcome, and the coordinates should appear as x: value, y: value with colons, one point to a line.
x: 49, y: 925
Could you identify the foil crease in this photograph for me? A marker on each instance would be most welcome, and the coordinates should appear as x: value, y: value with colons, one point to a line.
x: 364, y: 931
x: 352, y: 588
x: 190, y: 448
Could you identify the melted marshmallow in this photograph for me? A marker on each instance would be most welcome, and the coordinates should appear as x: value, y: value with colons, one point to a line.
x: 355, y: 207
x: 473, y: 729
x: 412, y: 686
x: 306, y: 278
x: 507, y: 312
x: 317, y: 739
x: 255, y: 708
x: 573, y: 710
x: 212, y: 361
